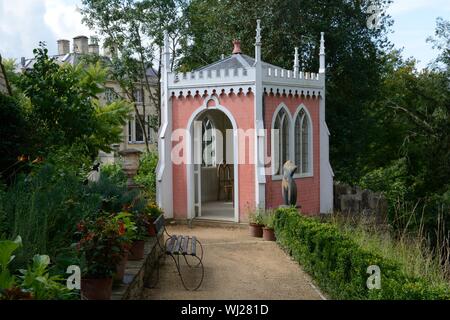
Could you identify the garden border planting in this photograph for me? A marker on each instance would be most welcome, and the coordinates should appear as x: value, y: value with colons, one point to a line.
x: 339, y: 265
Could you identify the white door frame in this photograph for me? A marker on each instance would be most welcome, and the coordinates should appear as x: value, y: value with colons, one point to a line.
x: 190, y: 155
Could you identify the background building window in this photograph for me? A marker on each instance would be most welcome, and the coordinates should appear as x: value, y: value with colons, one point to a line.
x: 138, y: 95
x: 130, y: 130
x: 110, y: 95
x: 138, y: 130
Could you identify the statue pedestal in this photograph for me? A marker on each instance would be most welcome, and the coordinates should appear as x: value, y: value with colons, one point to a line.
x: 130, y: 165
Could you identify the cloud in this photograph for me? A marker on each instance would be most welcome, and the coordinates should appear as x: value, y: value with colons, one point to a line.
x: 21, y: 27
x: 64, y: 19
x: 23, y: 23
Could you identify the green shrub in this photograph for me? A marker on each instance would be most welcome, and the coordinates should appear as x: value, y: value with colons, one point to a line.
x: 44, y: 208
x: 115, y: 173
x: 339, y: 264
x: 146, y: 175
x: 34, y: 282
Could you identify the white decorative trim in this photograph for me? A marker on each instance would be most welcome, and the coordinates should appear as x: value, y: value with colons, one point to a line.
x: 189, y: 165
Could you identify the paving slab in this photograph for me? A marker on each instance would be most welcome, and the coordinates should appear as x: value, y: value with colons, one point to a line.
x: 237, y: 266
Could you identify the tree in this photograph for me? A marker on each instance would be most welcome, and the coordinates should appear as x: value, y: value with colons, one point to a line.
x: 14, y: 135
x: 354, y: 55
x: 64, y: 109
x: 134, y: 29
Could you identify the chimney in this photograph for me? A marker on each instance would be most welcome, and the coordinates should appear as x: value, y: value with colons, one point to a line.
x: 94, y: 48
x: 80, y: 45
x: 63, y: 47
x: 22, y: 62
x: 237, y: 47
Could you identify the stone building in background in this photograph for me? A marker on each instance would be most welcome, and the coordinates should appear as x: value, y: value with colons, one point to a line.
x: 133, y: 136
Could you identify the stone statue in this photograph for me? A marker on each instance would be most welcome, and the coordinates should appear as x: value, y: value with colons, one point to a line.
x: 288, y: 186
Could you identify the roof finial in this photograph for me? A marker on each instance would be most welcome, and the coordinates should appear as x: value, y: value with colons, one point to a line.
x: 322, y: 54
x: 258, y: 42
x: 258, y: 32
x: 296, y: 62
x: 237, y: 47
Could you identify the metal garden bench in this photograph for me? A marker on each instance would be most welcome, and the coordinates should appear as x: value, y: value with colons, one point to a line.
x: 177, y: 246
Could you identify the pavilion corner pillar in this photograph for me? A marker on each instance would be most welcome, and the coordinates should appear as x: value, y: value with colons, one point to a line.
x: 260, y: 139
x: 164, y: 183
x: 326, y: 172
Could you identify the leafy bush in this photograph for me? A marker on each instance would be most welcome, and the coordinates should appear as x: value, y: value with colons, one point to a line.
x: 35, y: 281
x: 114, y: 194
x: 146, y: 175
x: 13, y: 133
x: 44, y: 208
x: 339, y: 264
x: 115, y: 173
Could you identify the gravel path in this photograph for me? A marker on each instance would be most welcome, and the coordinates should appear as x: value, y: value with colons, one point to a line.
x: 237, y: 266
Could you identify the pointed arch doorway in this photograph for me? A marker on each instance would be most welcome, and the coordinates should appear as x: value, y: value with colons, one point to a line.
x: 212, y: 179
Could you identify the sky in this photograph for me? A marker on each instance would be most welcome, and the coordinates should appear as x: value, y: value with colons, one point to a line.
x: 23, y: 23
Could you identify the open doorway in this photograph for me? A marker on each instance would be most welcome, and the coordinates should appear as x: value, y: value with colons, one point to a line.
x: 214, y: 175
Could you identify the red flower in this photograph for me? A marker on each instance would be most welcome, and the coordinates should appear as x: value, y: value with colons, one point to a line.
x: 122, y: 228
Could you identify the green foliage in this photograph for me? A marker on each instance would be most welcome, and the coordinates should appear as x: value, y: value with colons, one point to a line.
x: 14, y: 135
x: 115, y: 195
x: 256, y: 217
x: 146, y: 175
x: 392, y: 180
x: 64, y: 109
x: 37, y: 280
x: 44, y: 208
x: 7, y: 247
x: 101, y: 244
x: 339, y: 264
x: 114, y: 173
x: 269, y: 219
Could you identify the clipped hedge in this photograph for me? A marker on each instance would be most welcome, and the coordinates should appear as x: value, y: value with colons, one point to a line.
x: 339, y: 265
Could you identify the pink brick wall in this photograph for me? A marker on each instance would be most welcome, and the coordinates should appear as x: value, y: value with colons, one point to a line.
x: 241, y: 107
x: 308, y: 189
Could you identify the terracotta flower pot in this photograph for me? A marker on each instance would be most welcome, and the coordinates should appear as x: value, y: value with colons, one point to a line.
x: 137, y: 250
x: 269, y: 234
x: 96, y: 289
x: 255, y: 230
x: 120, y: 268
x: 151, y: 229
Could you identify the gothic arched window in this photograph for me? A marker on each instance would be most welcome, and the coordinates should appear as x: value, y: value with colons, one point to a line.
x: 281, y: 141
x: 303, y: 147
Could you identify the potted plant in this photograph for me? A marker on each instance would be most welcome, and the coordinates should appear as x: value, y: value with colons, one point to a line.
x: 149, y: 215
x: 256, y: 224
x: 138, y: 244
x: 268, y: 230
x: 127, y: 232
x: 100, y: 249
